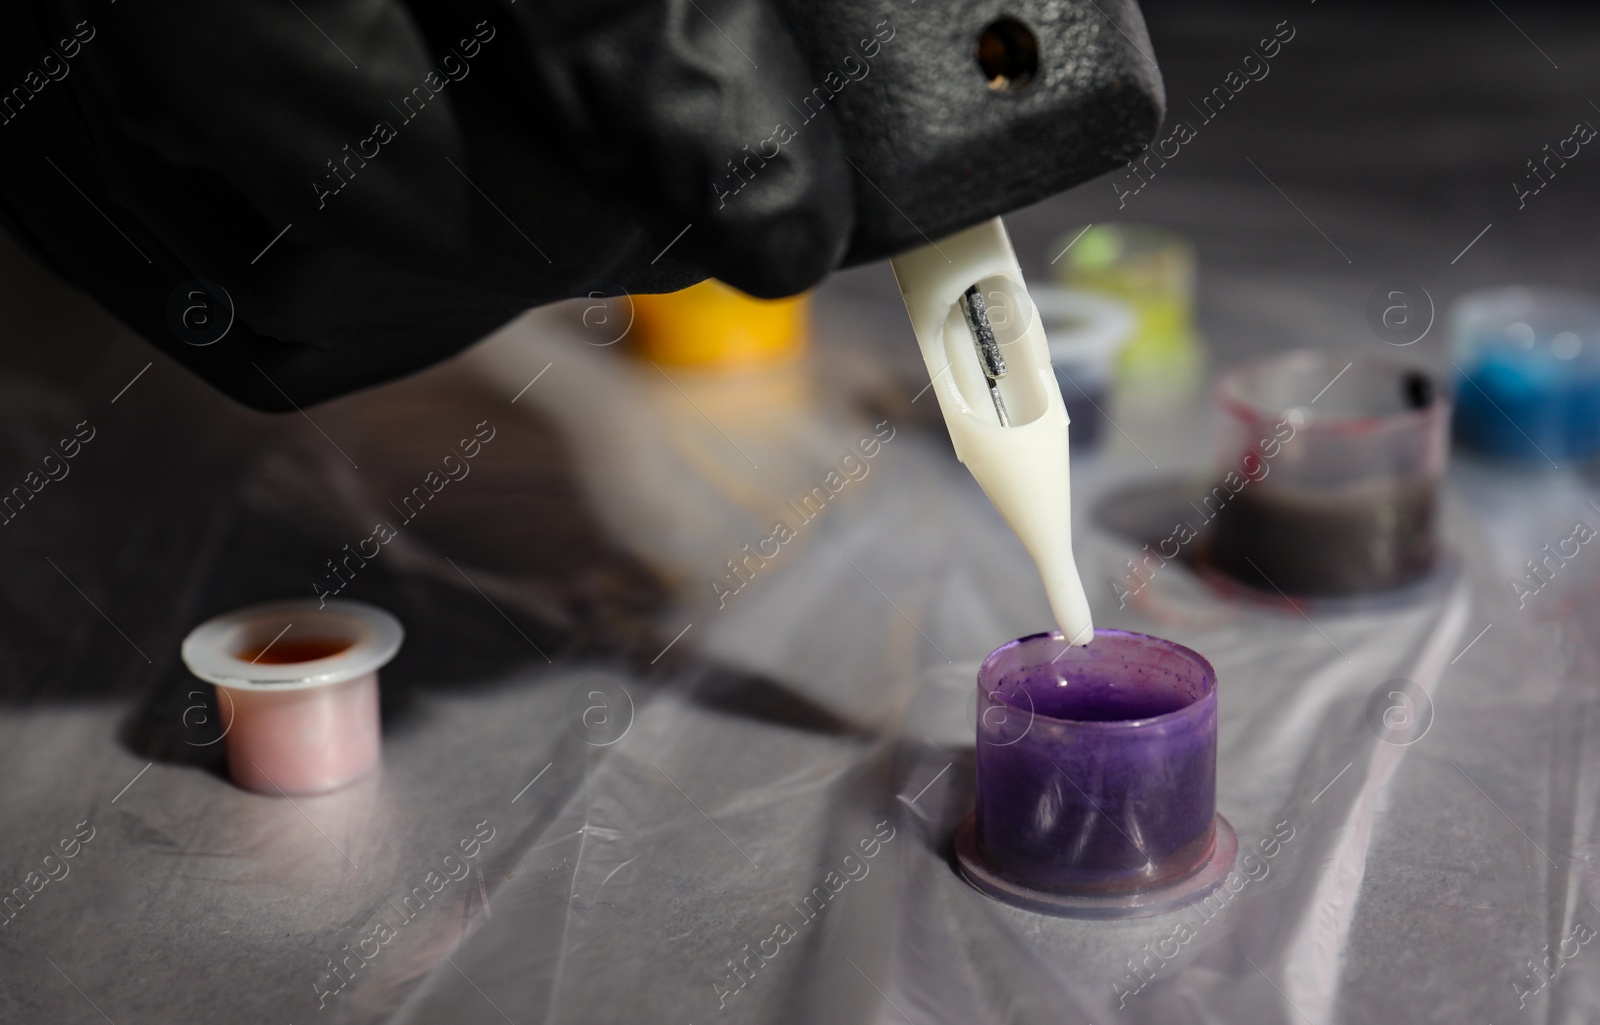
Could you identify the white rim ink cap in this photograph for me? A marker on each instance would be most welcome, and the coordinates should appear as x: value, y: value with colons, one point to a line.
x: 298, y: 689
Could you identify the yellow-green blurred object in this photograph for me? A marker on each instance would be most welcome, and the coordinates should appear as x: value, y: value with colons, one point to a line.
x: 1153, y: 271
x: 712, y: 326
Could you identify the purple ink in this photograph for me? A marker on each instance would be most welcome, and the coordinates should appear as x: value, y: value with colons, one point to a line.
x: 1097, y: 770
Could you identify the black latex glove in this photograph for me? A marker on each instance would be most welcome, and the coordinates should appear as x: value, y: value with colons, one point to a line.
x: 377, y: 183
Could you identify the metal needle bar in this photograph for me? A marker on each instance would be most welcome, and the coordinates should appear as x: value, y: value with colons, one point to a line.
x: 989, y: 358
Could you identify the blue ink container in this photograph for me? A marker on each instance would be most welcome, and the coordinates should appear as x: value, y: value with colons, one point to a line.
x: 1527, y: 364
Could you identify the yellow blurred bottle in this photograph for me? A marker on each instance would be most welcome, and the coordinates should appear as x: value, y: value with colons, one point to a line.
x: 711, y: 326
x: 1153, y: 271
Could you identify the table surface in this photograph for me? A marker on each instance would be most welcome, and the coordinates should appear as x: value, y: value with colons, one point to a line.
x: 650, y: 850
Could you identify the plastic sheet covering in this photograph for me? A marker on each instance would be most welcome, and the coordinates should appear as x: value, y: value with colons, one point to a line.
x: 625, y: 781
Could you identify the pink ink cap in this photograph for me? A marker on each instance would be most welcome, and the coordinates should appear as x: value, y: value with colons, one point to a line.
x: 297, y: 682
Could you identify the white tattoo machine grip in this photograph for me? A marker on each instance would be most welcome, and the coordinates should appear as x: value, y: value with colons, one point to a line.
x: 990, y: 366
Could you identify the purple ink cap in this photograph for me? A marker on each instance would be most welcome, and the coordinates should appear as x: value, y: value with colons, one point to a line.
x: 1097, y: 777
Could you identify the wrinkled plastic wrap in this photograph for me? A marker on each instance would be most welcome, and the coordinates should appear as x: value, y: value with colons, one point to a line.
x: 672, y: 817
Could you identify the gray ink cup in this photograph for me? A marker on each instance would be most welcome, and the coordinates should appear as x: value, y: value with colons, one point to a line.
x: 1330, y: 468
